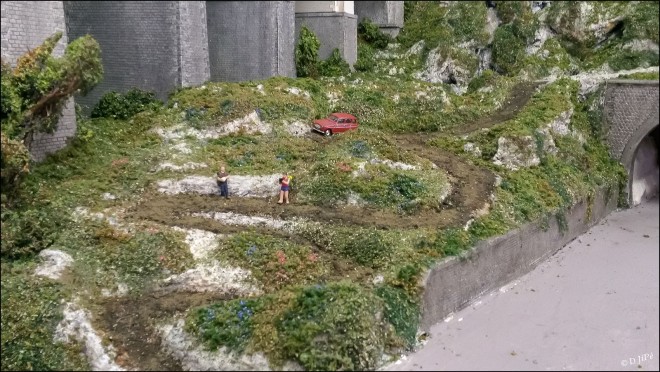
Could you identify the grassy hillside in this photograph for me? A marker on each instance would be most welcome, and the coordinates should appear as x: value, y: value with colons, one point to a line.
x: 331, y: 281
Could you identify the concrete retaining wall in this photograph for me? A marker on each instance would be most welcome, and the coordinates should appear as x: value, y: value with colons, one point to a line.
x: 456, y: 282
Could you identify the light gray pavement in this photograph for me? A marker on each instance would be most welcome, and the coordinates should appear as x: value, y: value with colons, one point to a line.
x: 591, y: 306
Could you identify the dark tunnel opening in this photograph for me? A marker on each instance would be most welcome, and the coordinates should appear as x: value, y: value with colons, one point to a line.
x: 646, y: 168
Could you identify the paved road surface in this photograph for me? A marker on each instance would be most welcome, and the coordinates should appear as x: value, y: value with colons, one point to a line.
x: 591, y: 306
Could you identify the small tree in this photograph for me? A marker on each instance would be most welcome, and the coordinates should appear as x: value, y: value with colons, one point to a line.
x: 307, y: 54
x: 34, y: 94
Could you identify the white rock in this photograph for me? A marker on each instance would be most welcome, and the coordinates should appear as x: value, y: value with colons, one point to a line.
x: 542, y: 34
x: 561, y: 124
x: 122, y: 290
x: 212, y: 277
x: 360, y: 171
x: 297, y: 128
x: 108, y: 196
x: 201, y: 242
x: 194, y: 357
x: 415, y: 49
x: 183, y: 167
x: 230, y: 218
x: 76, y: 325
x: 250, y: 124
x: 446, y: 71
x: 243, y: 186
x: 55, y: 262
x: 492, y: 22
x: 473, y: 149
x: 642, y: 45
x: 511, y: 156
x: 297, y: 92
x: 378, y: 279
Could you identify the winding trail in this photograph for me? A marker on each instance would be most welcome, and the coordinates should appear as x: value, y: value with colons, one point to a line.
x: 471, y: 187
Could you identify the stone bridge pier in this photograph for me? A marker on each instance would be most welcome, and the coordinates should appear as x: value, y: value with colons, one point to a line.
x: 631, y: 125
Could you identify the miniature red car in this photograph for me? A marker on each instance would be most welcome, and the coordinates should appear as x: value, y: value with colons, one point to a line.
x: 335, y: 123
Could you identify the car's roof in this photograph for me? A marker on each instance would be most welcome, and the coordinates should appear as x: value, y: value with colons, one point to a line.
x: 343, y: 115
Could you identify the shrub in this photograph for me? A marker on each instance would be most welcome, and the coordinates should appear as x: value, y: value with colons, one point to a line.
x: 335, y: 65
x: 366, y: 248
x: 333, y: 327
x: 365, y: 59
x: 307, y: 54
x: 34, y: 94
x: 123, y: 106
x: 371, y: 34
x: 30, y: 312
x: 29, y: 231
x: 228, y: 324
x: 401, y: 311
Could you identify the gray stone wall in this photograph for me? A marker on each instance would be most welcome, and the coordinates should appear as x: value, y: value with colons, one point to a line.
x: 250, y: 40
x: 25, y: 25
x: 456, y: 282
x: 194, y: 54
x: 334, y: 30
x: 140, y: 44
x: 630, y: 113
x: 388, y: 15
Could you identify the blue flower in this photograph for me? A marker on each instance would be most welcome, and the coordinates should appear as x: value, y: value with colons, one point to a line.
x: 240, y: 314
x: 251, y: 250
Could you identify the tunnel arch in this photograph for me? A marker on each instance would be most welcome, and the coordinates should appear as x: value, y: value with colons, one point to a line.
x: 631, y: 114
x: 647, y: 146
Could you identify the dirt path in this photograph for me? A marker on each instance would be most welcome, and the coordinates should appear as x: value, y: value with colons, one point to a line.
x: 471, y: 188
x: 520, y: 95
x: 130, y: 322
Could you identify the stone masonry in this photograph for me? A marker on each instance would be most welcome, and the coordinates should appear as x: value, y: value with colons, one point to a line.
x: 164, y: 45
x: 25, y: 25
x: 151, y: 45
x: 630, y: 113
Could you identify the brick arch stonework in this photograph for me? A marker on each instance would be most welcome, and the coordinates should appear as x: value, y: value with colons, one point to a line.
x: 631, y: 113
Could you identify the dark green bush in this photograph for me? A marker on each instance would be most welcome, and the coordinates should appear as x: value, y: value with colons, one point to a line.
x: 225, y: 324
x: 26, y: 232
x: 371, y: 34
x: 307, y: 54
x: 335, y: 65
x: 123, y: 106
x: 30, y: 312
x: 401, y: 311
x: 631, y: 60
x: 366, y: 248
x: 365, y: 59
x: 333, y: 327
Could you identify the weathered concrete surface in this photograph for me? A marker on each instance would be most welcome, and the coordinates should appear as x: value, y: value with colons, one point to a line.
x: 251, y: 40
x: 592, y: 306
x: 334, y: 30
x: 456, y: 282
x: 388, y: 15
